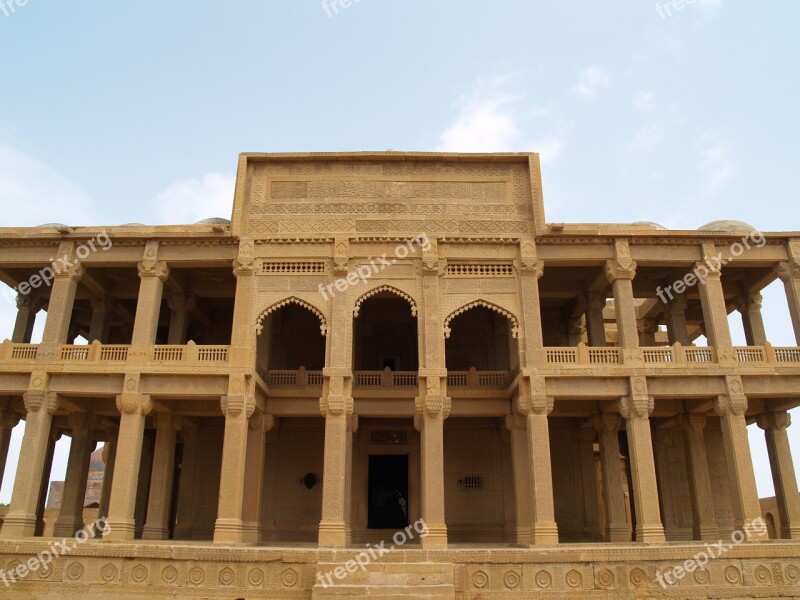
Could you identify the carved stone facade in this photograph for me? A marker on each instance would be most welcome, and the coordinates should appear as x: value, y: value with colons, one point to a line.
x: 381, y: 339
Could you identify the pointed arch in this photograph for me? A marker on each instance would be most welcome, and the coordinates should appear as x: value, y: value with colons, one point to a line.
x: 384, y: 288
x: 484, y: 304
x: 293, y: 300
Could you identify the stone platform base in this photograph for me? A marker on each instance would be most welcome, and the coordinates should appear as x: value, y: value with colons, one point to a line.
x: 184, y: 570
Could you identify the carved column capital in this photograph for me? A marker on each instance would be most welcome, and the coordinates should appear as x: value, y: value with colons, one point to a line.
x: 158, y: 269
x: 726, y: 406
x: 41, y: 401
x: 777, y: 421
x: 615, y: 269
x: 636, y: 407
x: 234, y: 405
x: 788, y: 271
x: 134, y: 404
x: 244, y: 262
x: 336, y: 405
x: 433, y: 406
x: 527, y: 405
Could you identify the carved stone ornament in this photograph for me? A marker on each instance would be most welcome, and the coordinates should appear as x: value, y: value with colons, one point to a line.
x: 39, y: 400
x: 336, y: 406
x: 246, y: 257
x: 133, y: 404
x: 433, y: 406
x: 615, y: 269
x: 238, y: 404
x: 636, y: 406
x: 484, y: 304
x: 154, y: 269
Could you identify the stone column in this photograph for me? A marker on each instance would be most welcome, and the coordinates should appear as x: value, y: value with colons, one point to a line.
x: 27, y: 309
x: 636, y: 410
x: 337, y: 408
x: 260, y: 424
x: 44, y: 486
x: 134, y: 409
x: 179, y: 318
x: 8, y: 421
x: 102, y: 313
x: 535, y: 406
x: 715, y: 312
x: 70, y: 518
x: 620, y: 274
x: 789, y: 273
x: 159, y: 503
x: 109, y: 459
x: 152, y: 276
x: 783, y: 474
x: 238, y: 406
x: 523, y: 492
x: 648, y: 329
x: 705, y: 525
x: 677, y: 329
x: 731, y: 408
x: 617, y: 527
x: 531, y: 344
x: 186, y: 484
x: 595, y: 323
x: 749, y: 306
x: 586, y: 438
x: 20, y: 522
x: 59, y: 308
x: 431, y: 412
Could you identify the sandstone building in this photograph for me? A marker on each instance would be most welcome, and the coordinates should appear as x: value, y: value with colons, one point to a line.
x: 378, y: 338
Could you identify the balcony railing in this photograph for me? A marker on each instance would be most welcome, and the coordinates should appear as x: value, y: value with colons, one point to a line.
x: 117, y: 353
x: 478, y: 379
x: 298, y: 378
x: 385, y: 378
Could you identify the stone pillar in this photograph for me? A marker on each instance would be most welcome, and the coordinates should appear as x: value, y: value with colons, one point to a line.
x: 44, y: 486
x: 238, y: 406
x: 152, y: 276
x: 636, y: 410
x: 749, y: 306
x: 535, y: 406
x: 179, y: 318
x: 523, y: 492
x: 27, y: 309
x: 8, y: 421
x: 586, y: 438
x: 59, y: 308
x: 789, y: 273
x: 677, y: 330
x: 731, y: 408
x: 159, y: 503
x: 705, y: 525
x: 337, y: 408
x: 715, y: 311
x: 431, y: 412
x: 783, y: 474
x: 617, y: 527
x: 70, y: 518
x: 102, y: 313
x: 109, y: 459
x: 531, y: 344
x: 134, y: 409
x: 595, y: 323
x: 620, y: 274
x: 647, y: 332
x: 20, y: 522
x: 260, y: 424
x: 184, y: 524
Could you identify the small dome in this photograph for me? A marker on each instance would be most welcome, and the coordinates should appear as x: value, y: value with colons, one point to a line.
x: 53, y: 225
x: 651, y: 224
x: 214, y: 221
x: 133, y: 225
x: 727, y: 226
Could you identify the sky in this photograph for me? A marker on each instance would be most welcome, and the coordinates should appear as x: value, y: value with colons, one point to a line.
x: 114, y: 113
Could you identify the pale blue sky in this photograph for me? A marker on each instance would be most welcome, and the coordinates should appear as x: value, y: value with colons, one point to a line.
x: 135, y: 112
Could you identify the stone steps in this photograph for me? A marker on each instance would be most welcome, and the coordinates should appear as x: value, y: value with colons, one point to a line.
x: 389, y: 580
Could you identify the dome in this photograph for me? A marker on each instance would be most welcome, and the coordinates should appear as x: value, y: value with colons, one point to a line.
x: 53, y: 225
x: 214, y: 221
x: 727, y: 226
x: 651, y: 224
x: 133, y: 225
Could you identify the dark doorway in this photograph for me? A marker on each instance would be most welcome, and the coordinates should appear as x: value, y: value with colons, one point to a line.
x: 389, y: 362
x: 388, y: 492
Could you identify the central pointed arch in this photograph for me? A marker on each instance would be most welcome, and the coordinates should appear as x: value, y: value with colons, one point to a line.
x: 384, y: 289
x: 292, y: 300
x: 484, y: 304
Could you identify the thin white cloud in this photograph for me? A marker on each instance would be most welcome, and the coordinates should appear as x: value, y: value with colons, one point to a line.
x: 718, y: 168
x: 490, y: 119
x: 645, y: 101
x: 34, y: 193
x: 487, y: 122
x: 590, y: 81
x: 193, y: 200
x: 648, y: 138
